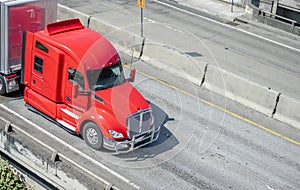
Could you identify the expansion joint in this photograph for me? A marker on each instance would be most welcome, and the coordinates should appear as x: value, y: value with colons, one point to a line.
x: 276, y: 104
x: 88, y: 22
x: 142, y: 49
x: 204, y: 75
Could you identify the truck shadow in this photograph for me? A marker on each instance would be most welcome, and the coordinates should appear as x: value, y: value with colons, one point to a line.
x: 166, y: 140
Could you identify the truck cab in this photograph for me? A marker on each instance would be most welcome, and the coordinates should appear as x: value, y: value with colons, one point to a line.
x: 74, y: 76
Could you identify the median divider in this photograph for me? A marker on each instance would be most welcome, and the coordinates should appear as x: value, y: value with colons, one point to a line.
x: 64, y: 13
x: 241, y: 90
x: 220, y: 81
x: 2, y: 124
x: 171, y: 60
x: 128, y: 42
x: 122, y: 40
x: 287, y: 111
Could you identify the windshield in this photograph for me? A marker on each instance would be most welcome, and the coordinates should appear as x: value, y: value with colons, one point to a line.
x: 106, y: 78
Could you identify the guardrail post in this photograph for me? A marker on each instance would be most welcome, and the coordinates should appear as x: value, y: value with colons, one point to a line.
x: 8, y: 127
x: 55, y: 159
x: 292, y: 27
x: 274, y: 7
x: 109, y: 187
x: 6, y: 135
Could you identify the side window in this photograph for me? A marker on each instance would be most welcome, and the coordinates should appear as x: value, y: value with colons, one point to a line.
x: 76, y: 77
x: 38, y: 64
x: 41, y: 47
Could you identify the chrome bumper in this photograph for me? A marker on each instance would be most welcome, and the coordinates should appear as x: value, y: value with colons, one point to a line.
x: 136, y: 142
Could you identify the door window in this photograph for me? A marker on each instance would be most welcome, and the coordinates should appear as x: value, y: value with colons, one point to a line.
x: 38, y: 64
x: 76, y: 77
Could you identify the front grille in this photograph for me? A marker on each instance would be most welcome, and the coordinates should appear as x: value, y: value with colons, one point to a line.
x: 139, y: 122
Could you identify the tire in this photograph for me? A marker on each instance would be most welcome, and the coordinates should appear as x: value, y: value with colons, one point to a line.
x: 92, y: 135
x: 2, y: 85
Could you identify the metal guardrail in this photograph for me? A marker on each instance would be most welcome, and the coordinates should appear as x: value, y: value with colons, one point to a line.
x: 42, y: 171
x: 22, y: 170
x: 26, y: 169
x: 289, y: 7
x: 272, y: 15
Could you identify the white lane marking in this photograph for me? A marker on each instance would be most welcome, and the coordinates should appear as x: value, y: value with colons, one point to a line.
x: 176, y: 30
x: 231, y: 27
x: 270, y: 187
x: 169, y: 27
x: 72, y: 148
x: 150, y: 20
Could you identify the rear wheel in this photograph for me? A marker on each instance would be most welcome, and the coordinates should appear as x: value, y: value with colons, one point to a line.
x: 92, y: 135
x: 2, y: 85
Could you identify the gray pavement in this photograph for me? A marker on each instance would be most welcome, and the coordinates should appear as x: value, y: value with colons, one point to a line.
x: 200, y: 147
x: 217, y: 8
x: 291, y: 3
x: 266, y: 88
x: 256, y: 66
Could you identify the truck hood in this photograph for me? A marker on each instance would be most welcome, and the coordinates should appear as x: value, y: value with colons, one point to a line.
x: 121, y: 101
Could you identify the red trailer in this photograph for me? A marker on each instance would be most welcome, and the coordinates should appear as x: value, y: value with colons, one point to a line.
x: 18, y: 16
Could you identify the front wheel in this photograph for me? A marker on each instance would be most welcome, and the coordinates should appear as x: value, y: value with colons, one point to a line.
x: 92, y: 135
x: 2, y: 85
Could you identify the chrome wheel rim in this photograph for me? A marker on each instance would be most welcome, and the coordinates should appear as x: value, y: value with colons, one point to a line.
x: 92, y: 136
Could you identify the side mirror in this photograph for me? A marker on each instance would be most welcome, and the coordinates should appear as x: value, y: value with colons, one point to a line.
x: 132, y: 75
x: 75, y: 90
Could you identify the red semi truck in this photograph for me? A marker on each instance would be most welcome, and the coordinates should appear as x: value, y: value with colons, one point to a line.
x: 74, y: 77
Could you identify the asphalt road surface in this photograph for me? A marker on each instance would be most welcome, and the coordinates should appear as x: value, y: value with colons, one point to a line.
x: 267, y: 62
x: 200, y: 147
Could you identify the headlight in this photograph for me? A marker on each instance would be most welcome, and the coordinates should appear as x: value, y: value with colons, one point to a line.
x: 115, y: 134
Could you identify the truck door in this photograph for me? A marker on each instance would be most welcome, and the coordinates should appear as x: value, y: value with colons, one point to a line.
x: 75, y: 94
x: 46, y: 70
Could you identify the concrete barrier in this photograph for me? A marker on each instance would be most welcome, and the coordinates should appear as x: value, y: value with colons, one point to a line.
x: 122, y: 40
x: 241, y: 3
x: 128, y: 42
x: 240, y: 90
x: 64, y: 13
x: 288, y: 110
x: 171, y: 60
x: 269, y: 18
x: 2, y: 124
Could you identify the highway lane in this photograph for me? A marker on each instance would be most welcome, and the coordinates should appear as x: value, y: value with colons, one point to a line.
x: 249, y: 56
x: 200, y: 147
